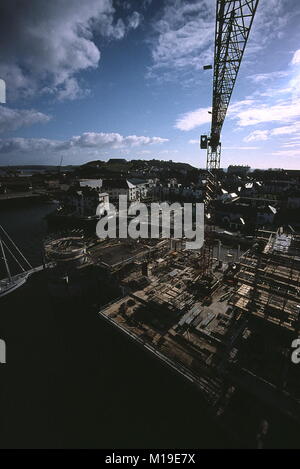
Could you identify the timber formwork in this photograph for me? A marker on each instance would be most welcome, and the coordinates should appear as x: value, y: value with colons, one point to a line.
x: 269, y: 282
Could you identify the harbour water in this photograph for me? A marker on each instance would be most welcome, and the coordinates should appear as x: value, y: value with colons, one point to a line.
x: 73, y: 381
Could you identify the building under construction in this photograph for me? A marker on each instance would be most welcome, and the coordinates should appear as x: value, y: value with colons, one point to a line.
x: 269, y: 281
x: 235, y: 345
x: 267, y: 299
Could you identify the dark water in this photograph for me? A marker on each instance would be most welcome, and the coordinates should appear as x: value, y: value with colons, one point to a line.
x: 73, y: 381
x: 27, y: 227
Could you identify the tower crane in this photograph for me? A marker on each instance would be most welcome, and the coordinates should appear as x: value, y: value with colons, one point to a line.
x: 234, y: 19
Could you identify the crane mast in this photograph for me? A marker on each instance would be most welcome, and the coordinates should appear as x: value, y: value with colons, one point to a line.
x: 233, y: 23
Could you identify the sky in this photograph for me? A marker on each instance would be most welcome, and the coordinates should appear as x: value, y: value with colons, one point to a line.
x: 98, y: 79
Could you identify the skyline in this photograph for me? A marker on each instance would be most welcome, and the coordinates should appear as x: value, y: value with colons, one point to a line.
x: 109, y: 79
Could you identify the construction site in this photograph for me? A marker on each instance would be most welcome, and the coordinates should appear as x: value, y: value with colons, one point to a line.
x: 233, y: 339
x: 227, y: 324
x: 228, y: 327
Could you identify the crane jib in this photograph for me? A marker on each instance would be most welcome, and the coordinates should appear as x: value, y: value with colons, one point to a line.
x: 233, y: 24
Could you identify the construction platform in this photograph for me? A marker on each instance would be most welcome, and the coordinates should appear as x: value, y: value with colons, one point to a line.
x: 269, y: 281
x: 233, y: 344
x: 167, y: 314
x: 267, y: 298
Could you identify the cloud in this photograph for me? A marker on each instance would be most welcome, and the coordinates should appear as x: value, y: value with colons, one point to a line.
x: 28, y: 145
x: 265, y: 77
x: 281, y: 104
x: 88, y: 140
x: 257, y: 135
x: 196, y: 142
x: 246, y: 113
x: 296, y: 57
x: 287, y: 153
x: 269, y: 25
x: 287, y: 130
x: 134, y: 20
x: 291, y: 145
x: 111, y: 140
x: 284, y: 111
x: 167, y: 152
x: 182, y: 37
x: 193, y: 119
x: 146, y: 4
x: 46, y: 45
x: 71, y: 90
x: 241, y: 148
x: 13, y: 119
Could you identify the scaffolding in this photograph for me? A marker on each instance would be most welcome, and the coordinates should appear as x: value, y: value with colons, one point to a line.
x: 269, y: 281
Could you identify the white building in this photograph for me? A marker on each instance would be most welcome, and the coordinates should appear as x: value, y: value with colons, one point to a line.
x: 134, y: 189
x: 92, y: 183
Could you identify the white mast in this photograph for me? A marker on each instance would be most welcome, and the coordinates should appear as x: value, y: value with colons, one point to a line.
x: 4, y: 258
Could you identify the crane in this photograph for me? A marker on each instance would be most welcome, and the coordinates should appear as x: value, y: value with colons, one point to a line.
x: 234, y: 19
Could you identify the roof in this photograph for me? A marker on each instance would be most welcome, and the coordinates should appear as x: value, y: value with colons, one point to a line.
x: 117, y: 160
x: 86, y: 190
x: 137, y: 181
x: 115, y: 184
x: 94, y: 183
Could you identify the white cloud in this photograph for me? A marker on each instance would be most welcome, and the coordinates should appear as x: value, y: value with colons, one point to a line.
x: 287, y: 153
x: 111, y: 140
x: 134, y: 20
x: 193, y: 142
x: 266, y: 77
x: 291, y: 145
x: 46, y: 45
x: 167, y: 152
x: 296, y: 57
x: 287, y: 130
x: 71, y: 90
x: 257, y: 135
x: 247, y: 113
x: 28, y: 145
x: 13, y: 119
x: 183, y: 37
x: 193, y: 119
x: 241, y: 148
x: 269, y: 24
x: 86, y: 141
x: 285, y: 111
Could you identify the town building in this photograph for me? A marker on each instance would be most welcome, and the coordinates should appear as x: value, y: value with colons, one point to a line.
x: 85, y: 202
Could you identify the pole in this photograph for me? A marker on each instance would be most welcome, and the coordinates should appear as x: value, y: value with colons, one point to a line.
x: 5, y: 260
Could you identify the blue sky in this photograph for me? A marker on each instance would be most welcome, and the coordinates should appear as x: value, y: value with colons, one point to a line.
x: 102, y: 78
